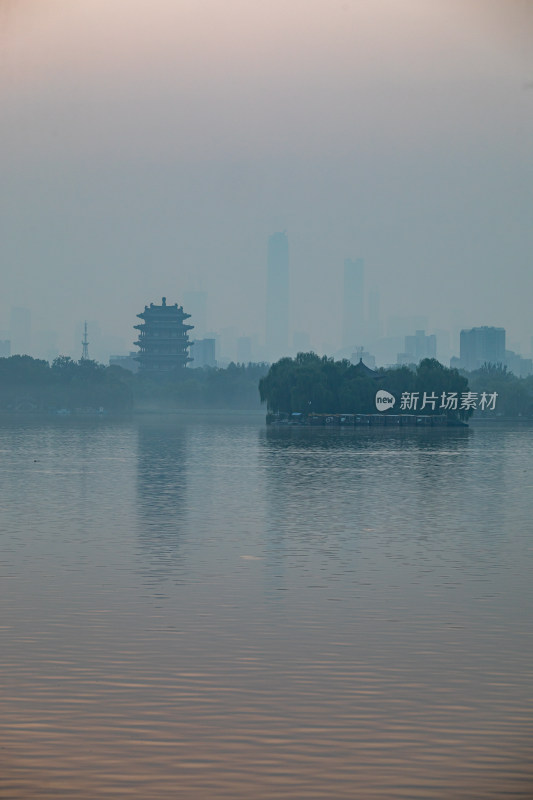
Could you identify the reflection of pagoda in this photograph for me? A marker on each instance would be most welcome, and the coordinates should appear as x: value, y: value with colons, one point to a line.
x: 163, y: 339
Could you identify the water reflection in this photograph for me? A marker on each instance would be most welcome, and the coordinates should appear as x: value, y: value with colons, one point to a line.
x: 345, y: 616
x: 364, y: 437
x: 346, y: 507
x: 162, y: 465
x: 359, y: 475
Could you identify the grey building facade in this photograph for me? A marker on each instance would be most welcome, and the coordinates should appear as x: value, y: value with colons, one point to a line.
x: 204, y: 353
x: 482, y: 345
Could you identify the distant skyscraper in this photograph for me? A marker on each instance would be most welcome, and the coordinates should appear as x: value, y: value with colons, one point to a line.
x: 196, y: 304
x: 203, y: 352
x: 353, y: 312
x: 20, y: 327
x: 277, y: 304
x: 482, y: 345
x: 418, y: 347
x: 443, y: 345
x: 521, y: 367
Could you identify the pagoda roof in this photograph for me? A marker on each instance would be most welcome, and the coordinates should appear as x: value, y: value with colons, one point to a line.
x: 154, y: 310
x: 362, y: 371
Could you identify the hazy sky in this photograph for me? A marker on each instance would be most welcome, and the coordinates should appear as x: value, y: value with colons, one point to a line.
x: 151, y: 146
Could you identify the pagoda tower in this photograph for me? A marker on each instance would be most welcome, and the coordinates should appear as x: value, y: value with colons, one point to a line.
x: 163, y: 340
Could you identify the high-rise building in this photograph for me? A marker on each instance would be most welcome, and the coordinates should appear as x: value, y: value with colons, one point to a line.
x: 196, y: 304
x: 20, y: 328
x: 443, y: 345
x: 204, y: 353
x: 519, y: 366
x: 163, y: 340
x: 277, y: 303
x: 353, y: 302
x: 418, y: 347
x: 482, y: 345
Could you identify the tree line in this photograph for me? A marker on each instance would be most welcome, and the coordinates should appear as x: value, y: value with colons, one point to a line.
x: 515, y: 395
x: 33, y: 385
x: 305, y: 384
x: 233, y: 387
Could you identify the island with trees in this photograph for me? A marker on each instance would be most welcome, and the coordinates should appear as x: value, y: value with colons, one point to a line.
x: 309, y: 385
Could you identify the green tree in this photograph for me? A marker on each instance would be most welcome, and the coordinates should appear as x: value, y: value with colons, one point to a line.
x: 433, y: 380
x: 310, y: 383
x: 515, y: 395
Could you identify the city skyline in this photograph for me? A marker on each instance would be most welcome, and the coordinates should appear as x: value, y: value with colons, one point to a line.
x: 398, y: 339
x: 408, y: 340
x: 149, y: 159
x: 44, y: 339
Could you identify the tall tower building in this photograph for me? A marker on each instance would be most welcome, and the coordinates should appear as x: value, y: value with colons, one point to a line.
x: 196, y: 304
x: 353, y: 307
x: 277, y: 303
x: 163, y: 340
x: 482, y: 345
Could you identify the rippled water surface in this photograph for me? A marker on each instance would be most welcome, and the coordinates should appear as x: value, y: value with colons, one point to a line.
x: 204, y: 608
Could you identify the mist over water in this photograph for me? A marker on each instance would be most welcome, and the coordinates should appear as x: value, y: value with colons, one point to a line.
x: 203, y: 607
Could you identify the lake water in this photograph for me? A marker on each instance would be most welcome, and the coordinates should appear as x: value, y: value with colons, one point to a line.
x: 204, y: 608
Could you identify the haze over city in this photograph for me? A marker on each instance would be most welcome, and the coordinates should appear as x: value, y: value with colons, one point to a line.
x: 150, y: 149
x: 266, y: 399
